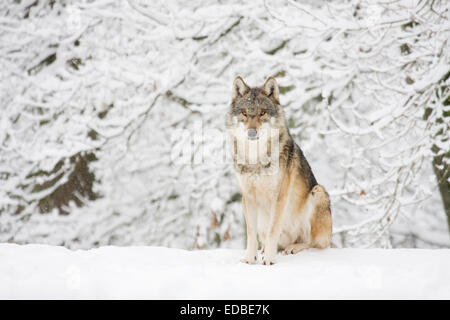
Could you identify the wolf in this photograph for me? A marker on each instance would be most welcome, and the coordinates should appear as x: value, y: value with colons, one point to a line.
x: 283, y: 204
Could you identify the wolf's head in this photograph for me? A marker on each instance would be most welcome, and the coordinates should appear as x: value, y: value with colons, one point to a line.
x: 255, y: 109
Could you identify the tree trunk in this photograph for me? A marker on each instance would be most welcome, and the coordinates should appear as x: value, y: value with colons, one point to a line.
x: 442, y: 176
x: 441, y: 163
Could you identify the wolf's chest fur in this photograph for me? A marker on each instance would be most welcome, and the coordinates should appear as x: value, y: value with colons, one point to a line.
x: 257, y: 183
x: 256, y: 177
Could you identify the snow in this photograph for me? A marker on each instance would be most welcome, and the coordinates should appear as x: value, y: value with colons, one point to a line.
x: 49, y: 272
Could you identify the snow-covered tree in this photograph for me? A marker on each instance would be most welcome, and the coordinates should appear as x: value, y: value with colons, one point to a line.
x: 112, y: 116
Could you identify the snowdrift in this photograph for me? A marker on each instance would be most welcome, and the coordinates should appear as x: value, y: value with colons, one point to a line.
x: 47, y: 272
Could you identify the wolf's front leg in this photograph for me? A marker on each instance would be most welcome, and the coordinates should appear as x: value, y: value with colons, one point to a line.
x: 250, y: 212
x: 275, y: 224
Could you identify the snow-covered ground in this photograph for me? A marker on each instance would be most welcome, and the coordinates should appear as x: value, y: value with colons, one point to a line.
x: 40, y: 271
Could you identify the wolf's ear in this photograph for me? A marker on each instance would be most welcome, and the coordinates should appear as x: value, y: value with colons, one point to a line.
x: 239, y: 88
x: 270, y: 88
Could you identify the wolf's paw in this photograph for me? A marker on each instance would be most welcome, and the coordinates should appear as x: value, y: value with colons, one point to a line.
x: 288, y: 250
x: 268, y: 260
x: 270, y: 254
x: 250, y: 260
x: 295, y: 248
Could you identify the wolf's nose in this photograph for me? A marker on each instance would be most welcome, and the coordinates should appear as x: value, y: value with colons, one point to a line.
x: 251, y: 133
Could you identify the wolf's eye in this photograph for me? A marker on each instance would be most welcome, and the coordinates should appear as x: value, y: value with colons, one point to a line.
x: 262, y: 113
x: 244, y: 113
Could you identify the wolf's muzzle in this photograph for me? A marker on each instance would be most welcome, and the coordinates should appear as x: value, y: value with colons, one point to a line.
x: 252, y: 134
